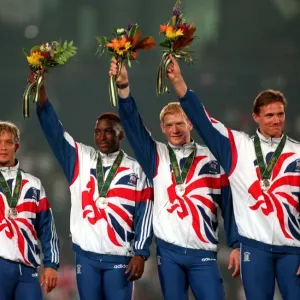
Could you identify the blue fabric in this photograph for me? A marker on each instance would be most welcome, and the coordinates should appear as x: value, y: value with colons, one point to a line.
x: 54, y: 133
x: 260, y: 268
x: 218, y: 144
x: 141, y: 142
x: 98, y: 280
x: 177, y: 271
x: 18, y: 282
x: 268, y: 247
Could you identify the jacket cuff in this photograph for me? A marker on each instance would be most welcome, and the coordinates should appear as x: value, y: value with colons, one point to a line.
x: 51, y: 265
x: 141, y: 252
x: 235, y: 245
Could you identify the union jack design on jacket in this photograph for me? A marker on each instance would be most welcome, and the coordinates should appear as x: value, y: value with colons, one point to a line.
x: 188, y: 221
x: 19, y: 237
x: 124, y: 227
x: 264, y: 219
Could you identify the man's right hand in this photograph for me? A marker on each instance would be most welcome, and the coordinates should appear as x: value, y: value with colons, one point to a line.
x: 175, y: 77
x: 32, y: 78
x: 122, y: 78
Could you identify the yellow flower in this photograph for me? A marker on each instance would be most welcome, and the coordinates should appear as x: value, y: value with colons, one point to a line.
x: 35, y: 59
x: 120, y: 46
x: 171, y: 34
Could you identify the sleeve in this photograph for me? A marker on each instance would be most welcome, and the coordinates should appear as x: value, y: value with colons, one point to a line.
x: 143, y: 218
x: 230, y: 227
x: 216, y: 136
x: 46, y: 232
x: 144, y: 147
x: 61, y: 143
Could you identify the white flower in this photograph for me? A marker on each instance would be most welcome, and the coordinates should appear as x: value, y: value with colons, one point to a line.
x: 121, y: 31
x: 45, y: 47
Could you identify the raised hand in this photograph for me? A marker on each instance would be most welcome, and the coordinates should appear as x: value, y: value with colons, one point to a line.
x: 113, y: 71
x: 175, y: 77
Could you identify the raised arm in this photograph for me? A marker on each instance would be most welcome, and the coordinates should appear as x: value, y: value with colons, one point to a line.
x: 61, y: 143
x: 144, y: 147
x: 217, y: 137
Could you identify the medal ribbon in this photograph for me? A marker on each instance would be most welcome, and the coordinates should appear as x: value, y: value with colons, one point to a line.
x: 266, y: 171
x: 181, y: 176
x: 12, y: 200
x: 103, y: 186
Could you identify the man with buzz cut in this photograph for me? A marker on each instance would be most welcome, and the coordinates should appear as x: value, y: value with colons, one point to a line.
x: 111, y: 205
x: 264, y: 174
x: 26, y: 227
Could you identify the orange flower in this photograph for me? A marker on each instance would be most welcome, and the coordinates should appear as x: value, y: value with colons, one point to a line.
x: 134, y: 54
x: 120, y: 46
x: 163, y: 28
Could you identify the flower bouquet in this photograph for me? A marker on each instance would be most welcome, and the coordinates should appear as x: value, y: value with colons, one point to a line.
x: 178, y: 36
x: 42, y: 58
x: 124, y: 47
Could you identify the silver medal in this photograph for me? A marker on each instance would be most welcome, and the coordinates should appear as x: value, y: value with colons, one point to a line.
x: 180, y: 189
x: 12, y: 213
x: 101, y: 202
x: 264, y: 184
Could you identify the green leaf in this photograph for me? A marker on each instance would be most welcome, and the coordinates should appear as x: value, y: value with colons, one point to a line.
x: 25, y: 52
x: 34, y: 48
x: 102, y: 41
x: 166, y: 44
x: 133, y: 30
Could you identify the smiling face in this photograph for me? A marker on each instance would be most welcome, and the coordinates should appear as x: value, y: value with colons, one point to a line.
x: 107, y: 137
x: 177, y: 129
x: 269, y: 113
x: 271, y: 119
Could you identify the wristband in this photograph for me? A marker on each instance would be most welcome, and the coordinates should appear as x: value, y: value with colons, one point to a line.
x: 122, y: 85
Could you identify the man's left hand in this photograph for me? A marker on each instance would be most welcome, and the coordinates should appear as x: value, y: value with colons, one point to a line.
x: 234, y: 260
x: 135, y: 268
x: 298, y: 271
x: 49, y: 279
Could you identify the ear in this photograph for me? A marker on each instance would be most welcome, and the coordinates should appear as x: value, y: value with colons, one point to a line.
x: 17, y: 147
x: 255, y: 118
x: 162, y: 128
x: 121, y: 135
x: 190, y: 126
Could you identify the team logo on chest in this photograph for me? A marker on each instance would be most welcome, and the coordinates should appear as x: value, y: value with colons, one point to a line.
x: 133, y: 179
x: 213, y: 167
x: 297, y: 168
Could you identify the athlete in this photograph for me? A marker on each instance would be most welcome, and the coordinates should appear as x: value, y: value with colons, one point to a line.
x: 25, y: 220
x: 189, y: 186
x: 264, y: 175
x: 111, y: 209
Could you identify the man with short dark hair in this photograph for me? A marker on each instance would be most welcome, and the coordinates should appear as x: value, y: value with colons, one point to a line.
x: 111, y: 209
x: 25, y: 219
x: 264, y: 175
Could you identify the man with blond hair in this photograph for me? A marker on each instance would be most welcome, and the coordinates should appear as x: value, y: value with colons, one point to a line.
x: 189, y: 186
x: 25, y: 219
x: 264, y: 174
